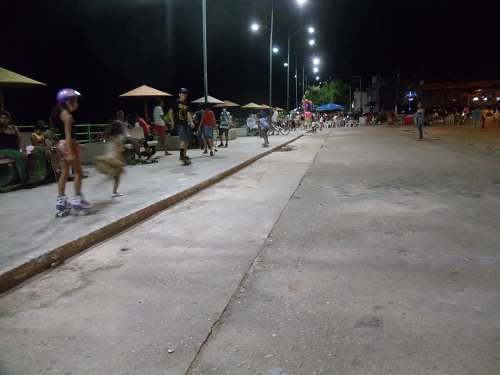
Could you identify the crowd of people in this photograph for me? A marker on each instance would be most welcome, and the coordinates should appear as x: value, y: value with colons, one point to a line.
x: 195, y: 130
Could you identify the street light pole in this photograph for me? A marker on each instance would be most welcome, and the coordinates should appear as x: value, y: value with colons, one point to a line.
x: 296, y: 87
x: 271, y: 60
x: 205, y: 70
x: 311, y: 30
x: 271, y: 29
x: 288, y: 77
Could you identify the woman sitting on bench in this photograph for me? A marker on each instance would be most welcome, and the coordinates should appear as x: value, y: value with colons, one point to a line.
x: 11, y: 145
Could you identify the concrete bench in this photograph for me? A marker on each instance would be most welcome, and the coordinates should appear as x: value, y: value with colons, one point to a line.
x: 137, y: 133
x: 91, y: 150
x: 173, y: 143
x: 8, y: 173
x: 6, y: 161
x: 232, y: 133
x: 241, y: 132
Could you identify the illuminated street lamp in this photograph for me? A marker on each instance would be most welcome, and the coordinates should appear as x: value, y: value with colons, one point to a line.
x: 311, y: 43
x: 315, y: 70
x: 255, y: 27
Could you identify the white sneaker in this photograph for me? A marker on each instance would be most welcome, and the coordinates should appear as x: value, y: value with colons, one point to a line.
x: 114, y: 195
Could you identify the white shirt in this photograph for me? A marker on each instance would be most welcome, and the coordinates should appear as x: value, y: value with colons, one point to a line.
x: 158, y: 115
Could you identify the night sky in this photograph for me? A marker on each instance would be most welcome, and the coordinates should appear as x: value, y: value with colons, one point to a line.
x: 104, y: 48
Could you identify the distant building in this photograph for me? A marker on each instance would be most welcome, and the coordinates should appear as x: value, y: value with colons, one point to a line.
x: 460, y: 94
x: 385, y: 93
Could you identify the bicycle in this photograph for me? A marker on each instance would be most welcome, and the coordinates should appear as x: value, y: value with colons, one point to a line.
x: 282, y: 128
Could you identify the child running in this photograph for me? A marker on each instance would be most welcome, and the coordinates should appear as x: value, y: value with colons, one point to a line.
x: 111, y: 163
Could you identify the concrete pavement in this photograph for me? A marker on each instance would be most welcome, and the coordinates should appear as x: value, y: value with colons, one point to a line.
x: 360, y: 251
x: 33, y: 239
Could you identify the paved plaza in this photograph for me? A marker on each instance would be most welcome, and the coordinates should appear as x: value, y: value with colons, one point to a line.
x: 350, y: 251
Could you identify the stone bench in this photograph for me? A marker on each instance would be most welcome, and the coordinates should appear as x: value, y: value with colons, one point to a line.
x: 173, y: 143
x: 241, y: 132
x: 137, y: 133
x: 91, y: 150
x: 232, y: 133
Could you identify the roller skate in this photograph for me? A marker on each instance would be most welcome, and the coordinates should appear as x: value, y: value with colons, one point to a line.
x: 265, y: 145
x: 63, y: 207
x: 79, y: 206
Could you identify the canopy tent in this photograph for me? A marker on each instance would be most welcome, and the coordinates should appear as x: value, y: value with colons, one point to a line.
x: 144, y: 92
x: 329, y: 107
x: 10, y: 79
x: 226, y: 103
x: 210, y: 99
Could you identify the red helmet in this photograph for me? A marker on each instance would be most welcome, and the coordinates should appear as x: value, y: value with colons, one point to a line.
x: 66, y: 94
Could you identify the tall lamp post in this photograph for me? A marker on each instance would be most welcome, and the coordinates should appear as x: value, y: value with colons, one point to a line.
x: 256, y: 27
x: 311, y: 42
x: 205, y: 70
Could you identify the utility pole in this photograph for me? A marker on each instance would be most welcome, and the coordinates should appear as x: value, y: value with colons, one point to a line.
x: 350, y: 98
x: 357, y: 79
x: 396, y: 100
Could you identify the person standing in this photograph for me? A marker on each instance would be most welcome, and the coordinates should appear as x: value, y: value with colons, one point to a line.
x: 264, y: 127
x: 307, y: 116
x: 207, y: 126
x: 159, y: 124
x: 475, y: 114
x: 225, y: 120
x: 69, y: 153
x: 197, y: 121
x: 179, y: 116
x: 483, y: 117
x: 274, y: 121
x: 420, y: 121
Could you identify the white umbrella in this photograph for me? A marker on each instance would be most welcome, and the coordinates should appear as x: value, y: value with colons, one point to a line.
x: 210, y: 99
x: 227, y: 103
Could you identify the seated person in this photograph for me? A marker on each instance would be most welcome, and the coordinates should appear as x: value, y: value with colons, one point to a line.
x: 128, y: 139
x: 11, y: 145
x: 51, y: 134
x: 38, y: 136
x: 148, y: 136
x: 252, y: 124
x: 37, y: 153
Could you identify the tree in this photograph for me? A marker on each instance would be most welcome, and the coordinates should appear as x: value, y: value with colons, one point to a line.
x: 334, y: 91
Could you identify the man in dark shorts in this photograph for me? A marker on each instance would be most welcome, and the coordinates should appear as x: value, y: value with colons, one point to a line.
x: 179, y: 117
x: 225, y: 120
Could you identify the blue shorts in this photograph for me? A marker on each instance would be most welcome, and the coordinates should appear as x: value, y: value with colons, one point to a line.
x: 208, y: 132
x: 264, y: 123
x: 183, y: 132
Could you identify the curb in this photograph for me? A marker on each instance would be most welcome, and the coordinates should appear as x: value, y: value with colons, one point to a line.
x: 53, y: 258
